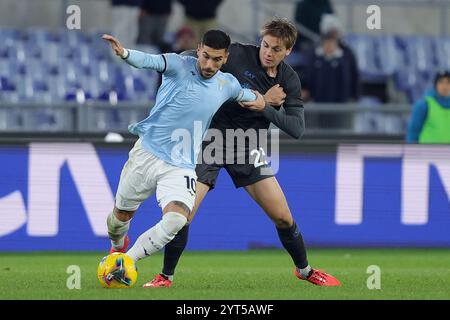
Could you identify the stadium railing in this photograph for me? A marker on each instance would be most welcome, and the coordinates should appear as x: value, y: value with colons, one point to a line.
x: 101, y: 117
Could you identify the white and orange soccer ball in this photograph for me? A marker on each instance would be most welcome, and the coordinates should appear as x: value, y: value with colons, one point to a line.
x: 117, y: 270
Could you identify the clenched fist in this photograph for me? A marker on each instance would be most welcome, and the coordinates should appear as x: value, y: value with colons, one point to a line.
x: 258, y: 105
x: 275, y: 96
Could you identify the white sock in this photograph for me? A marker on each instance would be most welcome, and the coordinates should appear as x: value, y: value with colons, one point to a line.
x: 305, y: 271
x: 170, y: 277
x: 117, y: 230
x: 158, y: 236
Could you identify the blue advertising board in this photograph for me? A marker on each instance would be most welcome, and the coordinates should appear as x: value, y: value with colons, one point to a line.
x: 56, y: 196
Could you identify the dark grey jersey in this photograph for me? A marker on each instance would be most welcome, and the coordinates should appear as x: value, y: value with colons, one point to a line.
x: 244, y: 63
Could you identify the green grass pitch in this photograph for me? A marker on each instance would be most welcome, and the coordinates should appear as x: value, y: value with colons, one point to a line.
x: 265, y: 274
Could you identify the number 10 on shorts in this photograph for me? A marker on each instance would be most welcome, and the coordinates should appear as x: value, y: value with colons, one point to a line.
x: 190, y: 183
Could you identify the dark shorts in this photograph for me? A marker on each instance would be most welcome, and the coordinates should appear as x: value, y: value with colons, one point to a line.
x: 245, y: 162
x: 253, y: 169
x: 241, y: 174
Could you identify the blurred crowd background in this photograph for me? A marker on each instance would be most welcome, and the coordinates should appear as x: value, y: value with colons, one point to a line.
x: 355, y: 81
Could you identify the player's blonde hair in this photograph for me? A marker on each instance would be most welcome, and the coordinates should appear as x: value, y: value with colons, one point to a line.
x: 281, y: 28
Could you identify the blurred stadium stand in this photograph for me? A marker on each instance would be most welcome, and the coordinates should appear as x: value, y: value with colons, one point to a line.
x: 51, y: 67
x: 67, y: 81
x: 47, y: 69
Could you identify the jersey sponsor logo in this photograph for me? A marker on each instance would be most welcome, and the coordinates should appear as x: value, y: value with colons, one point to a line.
x: 222, y: 83
x: 249, y: 75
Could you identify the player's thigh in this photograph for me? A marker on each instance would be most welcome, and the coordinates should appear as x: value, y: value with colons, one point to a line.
x: 247, y: 174
x: 137, y: 182
x: 270, y: 197
x: 206, y: 180
x: 175, y: 189
x: 207, y: 174
x: 200, y: 194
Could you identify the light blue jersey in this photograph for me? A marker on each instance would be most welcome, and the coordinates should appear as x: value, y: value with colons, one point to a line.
x: 185, y: 105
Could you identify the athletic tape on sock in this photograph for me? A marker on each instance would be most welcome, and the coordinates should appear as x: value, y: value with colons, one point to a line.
x: 116, y: 228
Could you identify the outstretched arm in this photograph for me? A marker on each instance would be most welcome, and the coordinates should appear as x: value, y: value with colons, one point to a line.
x: 136, y: 58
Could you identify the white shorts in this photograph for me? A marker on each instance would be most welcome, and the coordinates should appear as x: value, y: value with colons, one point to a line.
x: 144, y: 174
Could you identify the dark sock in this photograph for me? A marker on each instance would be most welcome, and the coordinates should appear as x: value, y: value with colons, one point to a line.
x: 292, y: 241
x: 173, y: 251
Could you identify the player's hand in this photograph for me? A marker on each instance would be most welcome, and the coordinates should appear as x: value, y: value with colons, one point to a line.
x: 257, y: 105
x: 115, y: 44
x: 275, y: 96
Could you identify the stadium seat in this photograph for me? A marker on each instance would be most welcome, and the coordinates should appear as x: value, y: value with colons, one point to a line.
x: 73, y: 60
x: 419, y: 52
x: 39, y: 35
x: 8, y: 36
x: 139, y: 85
x: 32, y: 50
x: 6, y: 84
x: 72, y: 38
x: 40, y: 85
x: 77, y: 95
x: 112, y: 96
x: 364, y: 49
x: 442, y: 47
x: 387, y: 55
x: 405, y: 79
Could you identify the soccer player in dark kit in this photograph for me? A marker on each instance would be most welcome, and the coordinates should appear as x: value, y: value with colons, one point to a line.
x: 262, y: 69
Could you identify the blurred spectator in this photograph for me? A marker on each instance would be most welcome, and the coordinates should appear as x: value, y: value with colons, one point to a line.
x: 201, y: 15
x: 308, y: 14
x: 184, y: 40
x: 430, y: 118
x: 331, y: 73
x: 153, y: 22
x: 125, y: 20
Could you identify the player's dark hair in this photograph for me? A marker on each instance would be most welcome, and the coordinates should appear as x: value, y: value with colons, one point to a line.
x: 216, y: 39
x: 281, y: 28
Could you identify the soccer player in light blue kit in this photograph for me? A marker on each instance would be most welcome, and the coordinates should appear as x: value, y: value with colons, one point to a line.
x: 191, y: 92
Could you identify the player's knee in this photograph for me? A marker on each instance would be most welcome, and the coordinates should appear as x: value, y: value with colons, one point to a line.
x: 172, y: 222
x: 123, y: 215
x: 178, y: 206
x: 283, y: 222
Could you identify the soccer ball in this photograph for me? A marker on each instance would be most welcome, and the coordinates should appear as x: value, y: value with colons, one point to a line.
x: 117, y: 270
